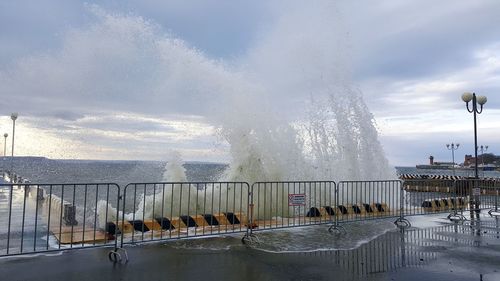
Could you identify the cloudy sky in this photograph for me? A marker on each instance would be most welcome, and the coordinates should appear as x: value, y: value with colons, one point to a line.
x: 134, y: 79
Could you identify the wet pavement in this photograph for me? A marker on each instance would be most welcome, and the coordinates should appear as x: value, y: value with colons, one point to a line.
x: 432, y: 249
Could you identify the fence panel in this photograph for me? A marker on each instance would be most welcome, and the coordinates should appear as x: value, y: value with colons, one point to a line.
x: 367, y: 200
x: 483, y: 193
x: 428, y: 196
x: 37, y: 218
x: 175, y: 210
x: 291, y: 204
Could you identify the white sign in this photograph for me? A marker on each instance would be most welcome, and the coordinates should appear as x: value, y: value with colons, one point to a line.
x: 476, y: 191
x: 296, y: 199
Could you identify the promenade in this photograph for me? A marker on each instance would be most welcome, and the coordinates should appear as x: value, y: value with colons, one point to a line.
x: 432, y: 249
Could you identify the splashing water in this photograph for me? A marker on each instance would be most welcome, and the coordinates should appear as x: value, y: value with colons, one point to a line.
x: 174, y: 171
x: 287, y: 109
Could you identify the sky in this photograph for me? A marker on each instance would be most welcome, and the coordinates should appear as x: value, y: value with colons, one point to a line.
x: 135, y: 79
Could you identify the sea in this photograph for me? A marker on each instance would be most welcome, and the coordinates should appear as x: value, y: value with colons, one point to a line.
x: 59, y: 171
x: 53, y: 171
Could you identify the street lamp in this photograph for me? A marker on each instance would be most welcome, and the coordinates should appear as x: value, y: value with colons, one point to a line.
x: 5, y: 144
x: 453, y: 147
x: 483, y: 150
x: 481, y: 100
x: 13, y: 116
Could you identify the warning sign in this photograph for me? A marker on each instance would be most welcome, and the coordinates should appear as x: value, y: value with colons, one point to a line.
x: 476, y: 191
x: 296, y: 199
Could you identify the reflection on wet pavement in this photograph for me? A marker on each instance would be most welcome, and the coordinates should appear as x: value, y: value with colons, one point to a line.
x: 433, y: 249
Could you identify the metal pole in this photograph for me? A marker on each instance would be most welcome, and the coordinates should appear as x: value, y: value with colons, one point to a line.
x: 13, y: 116
x: 13, y: 134
x: 483, y: 150
x: 5, y: 144
x: 453, y: 158
x: 468, y: 97
x: 453, y: 147
x: 474, y: 109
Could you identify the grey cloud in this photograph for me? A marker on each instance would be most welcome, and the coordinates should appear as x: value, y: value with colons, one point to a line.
x: 219, y: 28
x: 61, y: 62
x: 67, y: 115
x: 126, y: 125
x: 64, y: 121
x: 422, y: 38
x: 415, y: 151
x: 28, y: 27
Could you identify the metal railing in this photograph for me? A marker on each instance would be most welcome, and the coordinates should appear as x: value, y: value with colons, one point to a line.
x: 449, y: 196
x: 483, y: 193
x: 37, y: 218
x: 432, y: 196
x: 162, y: 211
x: 291, y: 204
x: 367, y: 200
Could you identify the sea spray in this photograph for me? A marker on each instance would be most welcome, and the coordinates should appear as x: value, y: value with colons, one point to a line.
x: 150, y: 204
x: 174, y: 169
x: 261, y: 108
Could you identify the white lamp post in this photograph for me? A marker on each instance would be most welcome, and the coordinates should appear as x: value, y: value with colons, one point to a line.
x: 483, y: 150
x: 13, y: 116
x: 453, y: 147
x: 5, y: 144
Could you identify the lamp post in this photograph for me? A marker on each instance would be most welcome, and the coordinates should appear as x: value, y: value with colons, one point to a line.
x: 483, y: 149
x: 5, y: 144
x: 13, y: 116
x: 453, y: 147
x: 481, y: 100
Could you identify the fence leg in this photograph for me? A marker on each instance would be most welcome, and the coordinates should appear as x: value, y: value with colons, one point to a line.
x: 116, y: 257
x: 336, y: 227
x: 495, y: 212
x: 401, y: 222
x: 249, y: 237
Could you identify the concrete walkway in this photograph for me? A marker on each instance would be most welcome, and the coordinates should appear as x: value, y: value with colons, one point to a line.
x: 432, y: 249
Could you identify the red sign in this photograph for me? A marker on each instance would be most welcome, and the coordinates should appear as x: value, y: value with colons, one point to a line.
x: 296, y: 199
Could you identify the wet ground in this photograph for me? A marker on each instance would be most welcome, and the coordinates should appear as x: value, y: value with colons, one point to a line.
x: 432, y: 249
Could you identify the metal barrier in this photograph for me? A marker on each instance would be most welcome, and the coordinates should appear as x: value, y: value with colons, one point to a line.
x: 37, y: 218
x: 483, y: 193
x: 450, y: 196
x: 422, y: 197
x: 291, y: 204
x: 162, y: 211
x: 368, y: 200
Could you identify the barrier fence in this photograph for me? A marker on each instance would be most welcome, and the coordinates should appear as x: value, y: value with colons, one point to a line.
x: 366, y: 200
x: 52, y: 217
x: 291, y: 204
x: 37, y: 218
x: 432, y: 196
x: 162, y: 211
x: 449, y: 196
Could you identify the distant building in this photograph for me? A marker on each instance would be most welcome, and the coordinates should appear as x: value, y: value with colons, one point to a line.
x: 436, y: 165
x: 469, y: 161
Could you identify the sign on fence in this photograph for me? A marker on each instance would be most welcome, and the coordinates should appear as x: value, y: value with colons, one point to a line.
x: 296, y: 199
